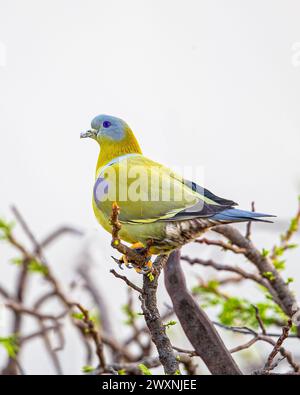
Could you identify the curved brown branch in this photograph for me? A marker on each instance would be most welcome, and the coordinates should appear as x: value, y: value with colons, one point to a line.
x: 195, y: 323
x: 221, y: 244
x: 234, y: 269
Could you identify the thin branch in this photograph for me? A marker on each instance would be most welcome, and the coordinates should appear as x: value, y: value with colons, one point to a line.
x: 191, y: 353
x: 266, y: 338
x: 225, y: 246
x: 249, y: 223
x: 286, y: 237
x: 245, y: 345
x: 128, y: 282
x: 222, y: 267
x: 285, y: 332
x: 39, y: 333
x: 83, y: 269
x: 259, y: 320
x: 247, y: 331
x: 57, y: 233
x: 94, y: 334
x: 18, y: 308
x: 5, y: 293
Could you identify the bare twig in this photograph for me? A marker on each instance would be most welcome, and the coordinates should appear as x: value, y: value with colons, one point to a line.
x: 286, y: 237
x: 222, y: 244
x: 259, y: 320
x: 18, y: 308
x: 285, y: 332
x: 128, y: 282
x: 256, y: 337
x: 39, y: 333
x: 83, y: 269
x: 222, y: 267
x: 249, y: 223
x: 57, y: 233
x: 94, y: 334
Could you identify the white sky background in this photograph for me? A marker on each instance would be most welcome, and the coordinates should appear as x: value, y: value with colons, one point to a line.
x: 202, y: 83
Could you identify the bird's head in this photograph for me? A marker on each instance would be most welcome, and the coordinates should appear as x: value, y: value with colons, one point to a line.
x: 107, y: 128
x: 114, y: 136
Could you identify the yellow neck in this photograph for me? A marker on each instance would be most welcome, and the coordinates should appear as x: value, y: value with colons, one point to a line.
x: 112, y: 149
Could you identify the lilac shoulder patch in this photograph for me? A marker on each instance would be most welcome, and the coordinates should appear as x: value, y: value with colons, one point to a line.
x: 100, y: 190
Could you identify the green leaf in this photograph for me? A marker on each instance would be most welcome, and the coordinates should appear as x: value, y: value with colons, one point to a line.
x: 278, y: 251
x: 269, y: 275
x: 5, y: 228
x: 10, y: 344
x: 292, y: 246
x: 143, y: 368
x: 279, y: 265
x: 78, y: 316
x: 87, y: 369
x: 17, y: 261
x: 35, y: 266
x: 170, y: 323
x: 122, y: 372
x: 265, y: 252
x: 294, y: 225
x: 130, y: 314
x: 235, y: 311
x: 210, y: 287
x: 240, y: 312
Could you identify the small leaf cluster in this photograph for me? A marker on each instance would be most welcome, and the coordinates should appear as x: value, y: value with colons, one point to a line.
x: 10, y: 344
x: 236, y: 311
x: 5, y: 229
x: 130, y: 314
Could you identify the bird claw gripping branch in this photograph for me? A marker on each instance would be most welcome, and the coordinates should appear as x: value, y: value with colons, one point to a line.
x: 136, y: 256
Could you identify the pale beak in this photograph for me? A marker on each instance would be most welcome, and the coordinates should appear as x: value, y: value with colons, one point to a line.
x: 89, y: 133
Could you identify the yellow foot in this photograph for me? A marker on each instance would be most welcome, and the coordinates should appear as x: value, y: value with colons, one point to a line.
x: 121, y: 261
x: 138, y: 247
x: 145, y: 269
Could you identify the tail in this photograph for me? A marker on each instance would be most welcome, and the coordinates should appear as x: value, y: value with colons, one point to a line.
x: 236, y: 215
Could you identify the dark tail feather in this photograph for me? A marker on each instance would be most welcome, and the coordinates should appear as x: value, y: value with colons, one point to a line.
x: 236, y: 215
